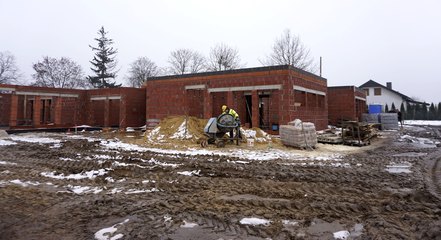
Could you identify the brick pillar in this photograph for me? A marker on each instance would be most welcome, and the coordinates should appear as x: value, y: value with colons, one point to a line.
x: 122, y: 112
x: 14, y: 111
x: 230, y: 100
x: 106, y: 112
x: 208, y: 105
x: 37, y: 111
x: 58, y: 109
x: 255, y: 109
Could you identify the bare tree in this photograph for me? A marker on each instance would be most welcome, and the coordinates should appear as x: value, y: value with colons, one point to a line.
x: 9, y: 72
x: 289, y: 50
x: 198, y: 62
x: 140, y: 70
x: 186, y: 61
x: 59, y: 73
x: 223, y: 57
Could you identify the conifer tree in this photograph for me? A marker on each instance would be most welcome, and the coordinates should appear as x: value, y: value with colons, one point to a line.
x: 424, y: 111
x: 431, y: 115
x: 393, y: 107
x: 386, y: 108
x: 439, y: 111
x: 103, y: 62
x: 403, y: 111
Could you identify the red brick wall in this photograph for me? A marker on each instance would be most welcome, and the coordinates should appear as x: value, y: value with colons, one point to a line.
x: 343, y: 104
x: 5, y: 109
x: 167, y: 95
x: 134, y: 104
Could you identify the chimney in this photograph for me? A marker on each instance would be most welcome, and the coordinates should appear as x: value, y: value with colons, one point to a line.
x: 389, y: 85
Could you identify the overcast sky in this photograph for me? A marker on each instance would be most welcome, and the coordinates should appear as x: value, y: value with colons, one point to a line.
x: 386, y: 41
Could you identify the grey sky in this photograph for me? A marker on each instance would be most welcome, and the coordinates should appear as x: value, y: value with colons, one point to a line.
x: 384, y: 40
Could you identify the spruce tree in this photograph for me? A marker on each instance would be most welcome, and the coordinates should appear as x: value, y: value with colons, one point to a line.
x: 431, y: 115
x: 403, y: 111
x: 386, y: 108
x: 424, y: 111
x: 439, y: 111
x: 103, y: 62
x: 393, y: 107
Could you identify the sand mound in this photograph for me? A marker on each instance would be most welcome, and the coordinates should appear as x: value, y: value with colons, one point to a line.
x: 177, y: 128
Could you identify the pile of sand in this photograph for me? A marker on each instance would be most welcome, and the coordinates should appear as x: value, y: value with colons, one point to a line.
x: 179, y: 129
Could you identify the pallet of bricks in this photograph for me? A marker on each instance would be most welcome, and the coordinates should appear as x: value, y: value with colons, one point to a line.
x: 298, y: 134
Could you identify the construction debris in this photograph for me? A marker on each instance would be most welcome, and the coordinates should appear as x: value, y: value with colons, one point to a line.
x: 298, y: 134
x: 357, y: 133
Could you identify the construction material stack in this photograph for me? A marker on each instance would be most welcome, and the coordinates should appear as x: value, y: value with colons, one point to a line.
x: 298, y: 134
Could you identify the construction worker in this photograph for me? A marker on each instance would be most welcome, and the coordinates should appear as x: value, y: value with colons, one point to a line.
x: 227, y: 110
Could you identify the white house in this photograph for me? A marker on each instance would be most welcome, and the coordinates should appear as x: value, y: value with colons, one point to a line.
x: 382, y: 95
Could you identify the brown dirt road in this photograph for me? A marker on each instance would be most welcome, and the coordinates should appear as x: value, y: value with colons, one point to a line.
x: 77, y: 189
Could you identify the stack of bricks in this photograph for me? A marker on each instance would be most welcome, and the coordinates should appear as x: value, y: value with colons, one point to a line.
x: 389, y: 121
x: 298, y: 134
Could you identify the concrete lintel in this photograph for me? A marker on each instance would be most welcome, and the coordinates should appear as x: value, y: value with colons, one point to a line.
x: 47, y: 94
x: 360, y: 98
x: 195, y: 87
x: 102, y: 98
x: 246, y: 88
x: 298, y: 88
x: 7, y: 89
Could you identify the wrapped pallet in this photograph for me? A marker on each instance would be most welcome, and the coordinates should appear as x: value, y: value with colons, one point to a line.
x: 389, y: 121
x: 298, y: 134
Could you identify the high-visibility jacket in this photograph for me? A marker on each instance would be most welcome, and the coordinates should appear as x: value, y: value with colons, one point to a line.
x: 233, y: 113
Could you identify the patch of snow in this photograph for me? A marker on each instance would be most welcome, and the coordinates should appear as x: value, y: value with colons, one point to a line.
x: 148, y: 181
x: 7, y: 163
x: 67, y: 159
x: 190, y: 173
x: 109, y: 179
x: 135, y: 191
x: 85, y: 189
x: 82, y: 126
x: 156, y: 162
x: 167, y: 218
x: 34, y: 139
x: 254, y: 221
x: 115, y: 190
x: 290, y: 222
x: 89, y: 174
x: 399, y: 168
x: 341, y: 235
x: 5, y: 172
x: 130, y: 129
x: 188, y: 224
x: 182, y: 132
x: 422, y: 122
x: 6, y: 142
x: 107, y: 233
x: 24, y: 184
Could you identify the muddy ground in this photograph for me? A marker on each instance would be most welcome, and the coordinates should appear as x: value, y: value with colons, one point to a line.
x: 78, y: 189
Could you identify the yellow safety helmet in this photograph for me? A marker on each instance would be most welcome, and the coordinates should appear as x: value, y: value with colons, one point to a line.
x: 224, y: 107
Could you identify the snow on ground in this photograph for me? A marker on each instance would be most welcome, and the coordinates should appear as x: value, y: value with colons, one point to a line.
x: 85, y: 189
x: 341, y: 235
x: 34, y: 138
x: 421, y: 142
x: 254, y: 221
x: 89, y: 174
x: 190, y: 173
x: 188, y: 224
x: 182, y: 132
x: 7, y: 163
x: 422, y: 122
x: 6, y: 142
x: 135, y: 191
x: 24, y: 184
x: 108, y: 233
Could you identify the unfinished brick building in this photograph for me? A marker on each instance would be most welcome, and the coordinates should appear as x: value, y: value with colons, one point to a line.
x: 264, y: 97
x: 41, y: 107
x: 345, y: 103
